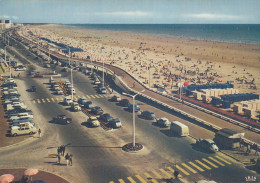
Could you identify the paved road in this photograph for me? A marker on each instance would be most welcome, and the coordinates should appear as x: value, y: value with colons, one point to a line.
x: 97, y: 153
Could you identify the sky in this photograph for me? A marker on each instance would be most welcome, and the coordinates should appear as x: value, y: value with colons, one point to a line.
x: 131, y: 11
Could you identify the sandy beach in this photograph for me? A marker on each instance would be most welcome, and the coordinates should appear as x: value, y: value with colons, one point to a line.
x: 164, y: 60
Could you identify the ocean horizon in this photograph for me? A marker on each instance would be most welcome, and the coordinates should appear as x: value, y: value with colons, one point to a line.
x: 233, y: 33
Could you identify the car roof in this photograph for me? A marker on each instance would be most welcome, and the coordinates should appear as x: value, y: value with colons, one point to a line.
x: 209, y: 140
x: 149, y: 112
x: 164, y: 118
x: 93, y: 117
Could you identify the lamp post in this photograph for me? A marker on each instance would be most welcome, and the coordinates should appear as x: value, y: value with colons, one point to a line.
x: 133, y: 96
x: 69, y: 55
x: 71, y: 84
x: 103, y: 74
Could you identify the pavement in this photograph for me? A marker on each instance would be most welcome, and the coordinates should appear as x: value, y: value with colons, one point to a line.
x: 41, y: 175
x: 239, y: 155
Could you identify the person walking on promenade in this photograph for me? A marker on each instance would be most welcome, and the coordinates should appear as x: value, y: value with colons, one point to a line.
x: 64, y: 148
x: 59, y: 158
x: 256, y: 149
x: 248, y: 149
x: 70, y: 159
x: 67, y: 158
x: 59, y: 150
x: 39, y: 132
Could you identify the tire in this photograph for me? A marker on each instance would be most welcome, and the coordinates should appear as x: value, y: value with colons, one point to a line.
x: 15, y: 134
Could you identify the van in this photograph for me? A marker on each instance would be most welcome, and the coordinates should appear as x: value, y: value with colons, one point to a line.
x: 179, y: 129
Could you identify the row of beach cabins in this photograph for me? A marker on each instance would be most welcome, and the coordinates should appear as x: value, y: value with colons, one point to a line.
x: 226, y: 97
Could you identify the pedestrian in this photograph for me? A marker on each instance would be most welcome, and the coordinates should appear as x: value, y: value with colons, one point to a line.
x: 59, y: 158
x: 61, y: 150
x: 67, y: 158
x: 64, y: 148
x: 176, y: 173
x: 240, y: 144
x: 58, y: 150
x: 39, y: 132
x: 70, y: 159
x: 256, y: 149
x: 248, y: 149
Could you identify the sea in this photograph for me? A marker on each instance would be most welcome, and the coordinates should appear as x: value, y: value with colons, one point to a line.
x: 234, y: 33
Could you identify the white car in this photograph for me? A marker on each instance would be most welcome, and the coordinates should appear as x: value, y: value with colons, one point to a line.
x: 21, y: 115
x: 163, y: 122
x: 16, y: 130
x: 67, y: 101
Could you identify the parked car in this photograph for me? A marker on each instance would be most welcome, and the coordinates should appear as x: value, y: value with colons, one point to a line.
x: 96, y: 81
x: 148, y: 115
x: 97, y: 110
x: 164, y: 122
x: 106, y: 117
x: 89, y: 105
x: 75, y: 106
x: 67, y: 101
x: 208, y: 145
x: 21, y: 115
x: 116, y: 98
x: 93, y: 121
x: 115, y: 123
x: 82, y: 100
x: 23, y: 130
x: 18, y: 111
x: 62, y: 119
x: 22, y: 120
x: 102, y: 90
x: 136, y: 107
x: 124, y: 103
x: 59, y: 92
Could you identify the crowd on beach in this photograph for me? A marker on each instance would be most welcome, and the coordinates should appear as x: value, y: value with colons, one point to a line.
x: 151, y: 64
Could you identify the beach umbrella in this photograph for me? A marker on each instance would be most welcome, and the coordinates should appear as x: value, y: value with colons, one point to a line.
x: 186, y: 83
x: 31, y: 172
x: 6, y: 178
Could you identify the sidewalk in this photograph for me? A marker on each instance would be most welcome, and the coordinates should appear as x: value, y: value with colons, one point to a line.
x: 45, y: 176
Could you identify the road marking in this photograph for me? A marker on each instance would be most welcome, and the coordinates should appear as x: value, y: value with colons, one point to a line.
x: 140, y: 178
x: 181, y: 169
x: 48, y: 100
x: 111, y: 181
x: 74, y: 96
x: 223, y: 160
x: 88, y: 96
x: 43, y: 100
x: 210, y: 163
x: 196, y: 166
x: 202, y: 164
x: 157, y: 174
x: 189, y: 168
x: 97, y: 96
x: 150, y: 177
x: 131, y: 179
x: 34, y: 101
x: 216, y: 161
x: 38, y: 100
x: 101, y: 96
x: 92, y: 96
x: 166, y: 173
x: 170, y: 168
x: 53, y: 99
x: 57, y: 99
x: 121, y: 180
